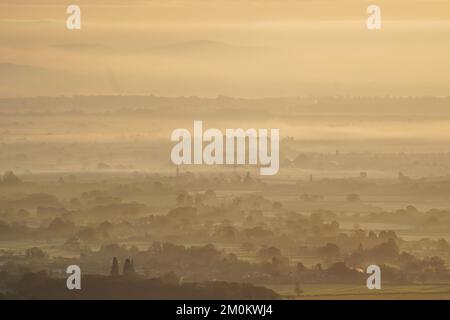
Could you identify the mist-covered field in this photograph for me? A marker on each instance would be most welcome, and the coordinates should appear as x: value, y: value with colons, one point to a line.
x: 89, y: 179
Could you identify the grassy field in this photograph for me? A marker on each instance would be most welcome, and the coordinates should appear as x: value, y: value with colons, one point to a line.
x: 350, y: 292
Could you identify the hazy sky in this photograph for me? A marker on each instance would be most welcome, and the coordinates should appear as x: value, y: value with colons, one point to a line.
x: 239, y: 48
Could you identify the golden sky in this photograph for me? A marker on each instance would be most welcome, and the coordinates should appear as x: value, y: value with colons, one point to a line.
x: 239, y: 48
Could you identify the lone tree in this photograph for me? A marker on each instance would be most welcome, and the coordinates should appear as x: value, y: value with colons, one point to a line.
x: 128, y: 268
x: 10, y: 178
x: 298, y: 288
x: 115, y: 268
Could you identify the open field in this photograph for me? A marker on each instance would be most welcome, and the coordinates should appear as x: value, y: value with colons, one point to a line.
x: 360, y: 292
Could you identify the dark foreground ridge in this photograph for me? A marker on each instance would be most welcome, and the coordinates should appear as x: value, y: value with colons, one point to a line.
x: 41, y: 286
